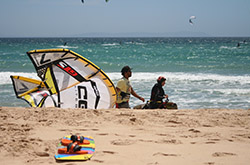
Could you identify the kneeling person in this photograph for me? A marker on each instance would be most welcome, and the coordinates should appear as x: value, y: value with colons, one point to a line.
x: 158, y: 94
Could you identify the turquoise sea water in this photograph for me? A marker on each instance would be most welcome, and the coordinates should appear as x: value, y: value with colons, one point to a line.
x: 200, y: 72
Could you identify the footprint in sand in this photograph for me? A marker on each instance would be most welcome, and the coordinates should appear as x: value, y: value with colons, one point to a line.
x: 123, y: 135
x: 64, y: 130
x: 164, y: 154
x: 155, y: 163
x: 147, y: 141
x: 206, y: 125
x: 212, y: 141
x: 247, y: 136
x: 169, y: 141
x: 174, y: 122
x: 102, y: 134
x: 209, y: 163
x: 82, y: 129
x: 194, y: 130
x: 97, y: 161
x: 161, y: 134
x: 42, y: 154
x: 120, y: 142
x: 95, y: 129
x: 109, y: 152
x: 220, y: 154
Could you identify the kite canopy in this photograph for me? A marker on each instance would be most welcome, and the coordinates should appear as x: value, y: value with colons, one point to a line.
x: 83, y: 1
x: 31, y: 90
x: 68, y: 81
x: 190, y: 19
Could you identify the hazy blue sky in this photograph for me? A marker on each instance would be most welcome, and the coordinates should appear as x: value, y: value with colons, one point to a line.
x: 59, y: 18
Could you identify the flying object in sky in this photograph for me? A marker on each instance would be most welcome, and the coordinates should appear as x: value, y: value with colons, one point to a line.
x: 190, y: 20
x: 83, y: 1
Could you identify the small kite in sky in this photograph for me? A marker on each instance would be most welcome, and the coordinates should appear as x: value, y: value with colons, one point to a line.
x: 190, y: 20
x: 83, y: 1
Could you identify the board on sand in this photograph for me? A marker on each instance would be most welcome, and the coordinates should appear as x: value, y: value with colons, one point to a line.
x: 89, y: 148
x: 167, y: 105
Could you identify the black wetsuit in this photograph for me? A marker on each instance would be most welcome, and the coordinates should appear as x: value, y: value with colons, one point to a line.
x: 157, y: 94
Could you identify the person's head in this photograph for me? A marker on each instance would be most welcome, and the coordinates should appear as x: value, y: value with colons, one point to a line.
x: 126, y: 71
x: 161, y: 80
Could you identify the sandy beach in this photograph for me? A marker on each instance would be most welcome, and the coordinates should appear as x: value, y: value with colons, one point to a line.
x: 126, y: 136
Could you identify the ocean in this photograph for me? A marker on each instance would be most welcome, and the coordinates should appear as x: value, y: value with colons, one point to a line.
x: 200, y: 72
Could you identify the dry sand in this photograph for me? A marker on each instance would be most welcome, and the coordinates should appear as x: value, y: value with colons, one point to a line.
x: 141, y: 137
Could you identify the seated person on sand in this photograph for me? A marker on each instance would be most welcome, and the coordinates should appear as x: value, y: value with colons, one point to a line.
x: 158, y: 94
x: 124, y: 89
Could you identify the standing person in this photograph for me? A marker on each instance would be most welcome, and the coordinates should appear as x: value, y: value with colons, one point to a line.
x: 158, y: 94
x: 124, y: 89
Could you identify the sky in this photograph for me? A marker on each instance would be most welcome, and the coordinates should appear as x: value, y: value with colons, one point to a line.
x: 72, y: 18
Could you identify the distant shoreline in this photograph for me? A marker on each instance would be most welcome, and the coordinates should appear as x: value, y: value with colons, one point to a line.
x: 125, y: 37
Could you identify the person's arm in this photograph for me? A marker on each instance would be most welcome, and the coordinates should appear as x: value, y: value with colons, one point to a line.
x: 165, y: 95
x: 157, y: 95
x: 136, y: 95
x: 118, y: 89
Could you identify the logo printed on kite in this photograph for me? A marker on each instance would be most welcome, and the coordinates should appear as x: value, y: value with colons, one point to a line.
x: 44, y: 94
x: 82, y: 104
x: 82, y: 96
x: 67, y: 69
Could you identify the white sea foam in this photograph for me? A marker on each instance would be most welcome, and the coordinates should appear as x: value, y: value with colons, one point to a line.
x: 111, y: 44
x: 230, y: 91
x: 67, y: 47
x: 180, y: 76
x: 227, y: 47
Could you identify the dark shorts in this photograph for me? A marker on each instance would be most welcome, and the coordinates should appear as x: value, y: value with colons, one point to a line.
x: 153, y: 105
x: 122, y: 105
